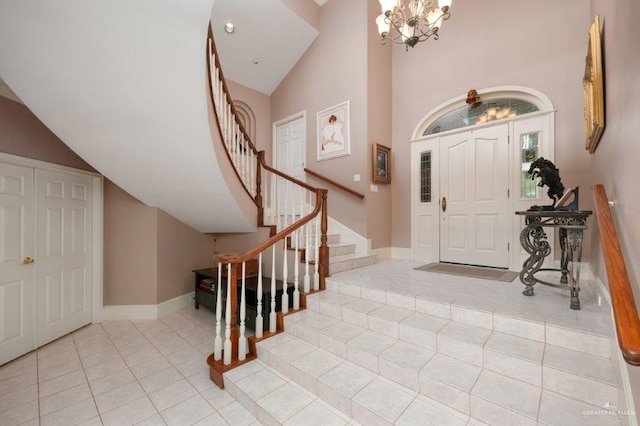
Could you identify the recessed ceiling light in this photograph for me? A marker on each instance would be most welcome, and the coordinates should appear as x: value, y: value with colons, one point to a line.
x: 229, y: 28
x: 255, y: 61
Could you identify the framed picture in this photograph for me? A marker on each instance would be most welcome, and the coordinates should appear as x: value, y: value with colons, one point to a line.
x: 593, y: 89
x: 381, y: 165
x: 334, y: 132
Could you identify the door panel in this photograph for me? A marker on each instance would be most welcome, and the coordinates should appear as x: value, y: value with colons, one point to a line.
x: 290, y: 159
x: 474, y: 168
x: 64, y: 239
x: 425, y: 197
x: 17, y: 294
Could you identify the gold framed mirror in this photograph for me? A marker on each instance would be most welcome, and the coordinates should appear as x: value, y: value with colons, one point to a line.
x: 593, y: 89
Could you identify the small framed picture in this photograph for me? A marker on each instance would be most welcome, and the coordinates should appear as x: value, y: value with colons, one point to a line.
x: 381, y: 163
x: 333, y: 132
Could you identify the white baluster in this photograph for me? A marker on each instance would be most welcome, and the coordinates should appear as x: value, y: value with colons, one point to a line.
x: 229, y: 124
x: 245, y: 163
x: 259, y: 305
x: 316, y: 275
x: 307, y: 255
x: 296, y: 271
x: 254, y: 172
x: 217, y: 341
x: 274, y: 200
x: 227, y: 320
x: 293, y: 203
x: 286, y: 198
x: 272, y: 314
x: 242, y: 340
x: 285, y: 272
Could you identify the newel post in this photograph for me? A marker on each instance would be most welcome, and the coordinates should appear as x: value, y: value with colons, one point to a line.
x: 232, y: 296
x: 259, y: 201
x: 324, y: 250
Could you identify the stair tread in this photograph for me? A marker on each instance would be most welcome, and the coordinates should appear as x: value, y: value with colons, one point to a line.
x: 350, y: 256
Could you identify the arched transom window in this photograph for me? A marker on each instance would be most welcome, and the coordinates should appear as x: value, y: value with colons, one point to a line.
x: 483, y: 112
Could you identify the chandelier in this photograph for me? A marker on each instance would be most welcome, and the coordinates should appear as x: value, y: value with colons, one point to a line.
x: 409, y: 24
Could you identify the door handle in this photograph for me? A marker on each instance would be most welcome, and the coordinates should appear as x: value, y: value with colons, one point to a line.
x: 27, y: 260
x: 444, y: 204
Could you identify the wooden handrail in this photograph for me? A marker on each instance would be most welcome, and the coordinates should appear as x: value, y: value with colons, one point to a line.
x: 334, y: 183
x: 625, y: 313
x: 235, y: 258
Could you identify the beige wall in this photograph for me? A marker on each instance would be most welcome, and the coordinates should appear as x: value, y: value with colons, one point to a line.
x: 489, y: 44
x: 331, y: 72
x: 149, y: 254
x: 261, y: 107
x: 379, y: 208
x: 181, y: 249
x: 130, y: 249
x: 309, y: 10
x: 22, y: 134
x: 616, y: 162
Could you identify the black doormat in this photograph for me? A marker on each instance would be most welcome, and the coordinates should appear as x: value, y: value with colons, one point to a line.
x: 470, y: 271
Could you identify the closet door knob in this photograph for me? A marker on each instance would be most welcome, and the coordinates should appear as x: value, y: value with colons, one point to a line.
x: 27, y: 260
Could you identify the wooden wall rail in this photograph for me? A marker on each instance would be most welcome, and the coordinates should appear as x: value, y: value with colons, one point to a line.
x: 334, y: 183
x: 625, y: 313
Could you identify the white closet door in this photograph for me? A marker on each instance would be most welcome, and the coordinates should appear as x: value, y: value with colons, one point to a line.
x: 17, y: 295
x: 64, y: 225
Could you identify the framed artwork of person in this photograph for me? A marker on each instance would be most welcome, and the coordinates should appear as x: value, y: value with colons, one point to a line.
x: 334, y: 132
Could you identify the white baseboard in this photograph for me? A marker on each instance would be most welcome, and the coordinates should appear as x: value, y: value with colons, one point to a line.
x: 175, y: 304
x: 147, y: 312
x: 130, y: 312
x: 402, y: 253
x: 384, y: 253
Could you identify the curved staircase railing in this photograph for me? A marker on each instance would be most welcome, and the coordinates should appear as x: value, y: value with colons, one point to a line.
x: 296, y: 214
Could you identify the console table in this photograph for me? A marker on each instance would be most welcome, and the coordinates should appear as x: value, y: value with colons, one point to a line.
x: 571, y: 224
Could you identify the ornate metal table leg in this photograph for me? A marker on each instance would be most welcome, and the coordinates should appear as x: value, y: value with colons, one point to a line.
x: 574, y: 241
x: 564, y: 256
x: 533, y: 240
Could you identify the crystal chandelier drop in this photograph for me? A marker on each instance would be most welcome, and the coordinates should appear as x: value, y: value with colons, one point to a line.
x: 409, y: 24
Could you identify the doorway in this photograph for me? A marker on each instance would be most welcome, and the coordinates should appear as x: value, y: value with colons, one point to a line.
x: 468, y: 179
x: 49, y: 275
x: 289, y: 154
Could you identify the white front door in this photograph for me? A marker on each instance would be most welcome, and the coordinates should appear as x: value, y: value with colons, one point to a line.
x: 17, y: 294
x: 474, y: 219
x: 64, y: 226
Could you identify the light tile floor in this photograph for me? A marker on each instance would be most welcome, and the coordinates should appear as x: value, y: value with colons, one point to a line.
x: 121, y: 373
x: 154, y: 372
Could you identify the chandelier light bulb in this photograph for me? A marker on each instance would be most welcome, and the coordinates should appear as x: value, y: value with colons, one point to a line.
x: 411, y: 21
x: 388, y: 5
x: 383, y: 25
x: 444, y: 4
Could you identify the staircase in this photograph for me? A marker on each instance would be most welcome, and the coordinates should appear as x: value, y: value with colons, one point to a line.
x: 343, y: 256
x: 423, y: 359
